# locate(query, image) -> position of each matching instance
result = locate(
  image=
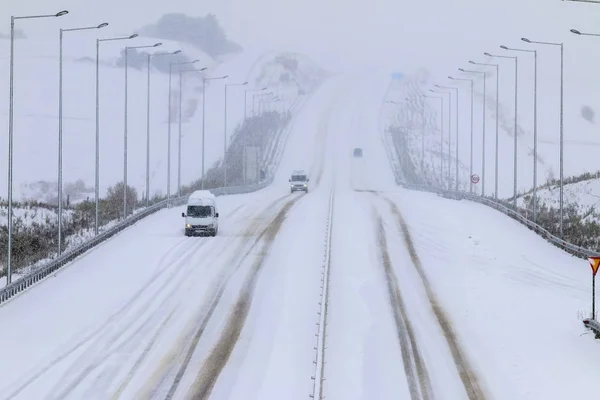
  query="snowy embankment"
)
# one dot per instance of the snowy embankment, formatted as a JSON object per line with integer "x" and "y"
{"x": 584, "y": 195}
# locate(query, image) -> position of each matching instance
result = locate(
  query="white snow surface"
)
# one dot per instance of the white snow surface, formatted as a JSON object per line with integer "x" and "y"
{"x": 141, "y": 296}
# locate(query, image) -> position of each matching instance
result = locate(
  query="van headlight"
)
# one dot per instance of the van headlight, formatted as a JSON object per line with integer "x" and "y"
{"x": 188, "y": 225}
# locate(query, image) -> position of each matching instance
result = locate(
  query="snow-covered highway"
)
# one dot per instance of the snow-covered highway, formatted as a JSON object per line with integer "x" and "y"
{"x": 428, "y": 297}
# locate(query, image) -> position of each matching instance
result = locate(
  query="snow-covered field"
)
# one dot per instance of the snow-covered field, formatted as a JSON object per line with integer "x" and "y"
{"x": 419, "y": 288}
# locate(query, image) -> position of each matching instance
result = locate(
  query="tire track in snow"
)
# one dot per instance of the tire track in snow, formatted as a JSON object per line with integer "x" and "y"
{"x": 221, "y": 351}
{"x": 465, "y": 371}
{"x": 105, "y": 326}
{"x": 100, "y": 333}
{"x": 419, "y": 383}
{"x": 180, "y": 355}
{"x": 217, "y": 360}
{"x": 107, "y": 346}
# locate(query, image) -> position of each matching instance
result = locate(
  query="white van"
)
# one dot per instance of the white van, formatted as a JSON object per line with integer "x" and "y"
{"x": 202, "y": 216}
{"x": 299, "y": 181}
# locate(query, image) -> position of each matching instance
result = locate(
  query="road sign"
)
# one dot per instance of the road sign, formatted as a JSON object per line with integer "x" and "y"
{"x": 594, "y": 263}
{"x": 474, "y": 178}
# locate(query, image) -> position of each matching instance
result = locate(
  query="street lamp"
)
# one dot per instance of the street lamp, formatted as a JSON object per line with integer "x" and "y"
{"x": 181, "y": 72}
{"x": 11, "y": 131}
{"x": 254, "y": 104}
{"x": 60, "y": 124}
{"x": 97, "y": 172}
{"x": 497, "y": 66}
{"x": 471, "y": 156}
{"x": 423, "y": 128}
{"x": 169, "y": 125}
{"x": 246, "y": 99}
{"x": 149, "y": 57}
{"x": 126, "y": 121}
{"x": 260, "y": 108}
{"x": 534, "y": 125}
{"x": 483, "y": 128}
{"x": 449, "y": 132}
{"x": 225, "y": 131}
{"x": 246, "y": 130}
{"x": 456, "y": 123}
{"x": 516, "y": 125}
{"x": 441, "y": 134}
{"x": 204, "y": 80}
{"x": 561, "y": 115}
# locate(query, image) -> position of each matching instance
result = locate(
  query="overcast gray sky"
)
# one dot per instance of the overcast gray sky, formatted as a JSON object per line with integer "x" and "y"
{"x": 387, "y": 33}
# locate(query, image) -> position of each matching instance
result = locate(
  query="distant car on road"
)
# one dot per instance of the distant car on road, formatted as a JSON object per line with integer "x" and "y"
{"x": 299, "y": 181}
{"x": 358, "y": 153}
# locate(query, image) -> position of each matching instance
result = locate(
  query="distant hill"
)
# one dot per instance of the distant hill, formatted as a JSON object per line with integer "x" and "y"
{"x": 203, "y": 32}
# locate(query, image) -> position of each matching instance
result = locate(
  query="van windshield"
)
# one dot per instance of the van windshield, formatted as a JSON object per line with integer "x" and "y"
{"x": 298, "y": 178}
{"x": 199, "y": 211}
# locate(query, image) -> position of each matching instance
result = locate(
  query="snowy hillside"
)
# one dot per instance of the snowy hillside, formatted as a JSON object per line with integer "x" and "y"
{"x": 583, "y": 194}
{"x": 580, "y": 134}
{"x": 36, "y": 122}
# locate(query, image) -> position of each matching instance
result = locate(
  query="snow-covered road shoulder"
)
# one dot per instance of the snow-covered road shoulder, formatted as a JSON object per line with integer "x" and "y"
{"x": 514, "y": 299}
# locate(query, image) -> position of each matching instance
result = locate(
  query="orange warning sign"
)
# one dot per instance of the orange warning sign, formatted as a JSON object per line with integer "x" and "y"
{"x": 595, "y": 263}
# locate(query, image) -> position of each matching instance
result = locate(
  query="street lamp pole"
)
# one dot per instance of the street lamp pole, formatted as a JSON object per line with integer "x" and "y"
{"x": 125, "y": 130}
{"x": 449, "y": 132}
{"x": 497, "y": 66}
{"x": 246, "y": 130}
{"x": 260, "y": 111}
{"x": 97, "y": 172}
{"x": 456, "y": 127}
{"x": 515, "y": 166}
{"x": 60, "y": 125}
{"x": 442, "y": 134}
{"x": 169, "y": 121}
{"x": 561, "y": 116}
{"x": 11, "y": 132}
{"x": 483, "y": 128}
{"x": 181, "y": 72}
{"x": 471, "y": 156}
{"x": 149, "y": 57}
{"x": 225, "y": 131}
{"x": 204, "y": 80}
{"x": 535, "y": 140}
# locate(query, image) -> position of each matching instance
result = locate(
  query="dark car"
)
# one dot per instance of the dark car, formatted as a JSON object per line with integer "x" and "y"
{"x": 358, "y": 152}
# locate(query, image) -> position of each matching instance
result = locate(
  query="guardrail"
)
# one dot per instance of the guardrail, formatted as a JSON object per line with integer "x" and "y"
{"x": 27, "y": 281}
{"x": 396, "y": 165}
